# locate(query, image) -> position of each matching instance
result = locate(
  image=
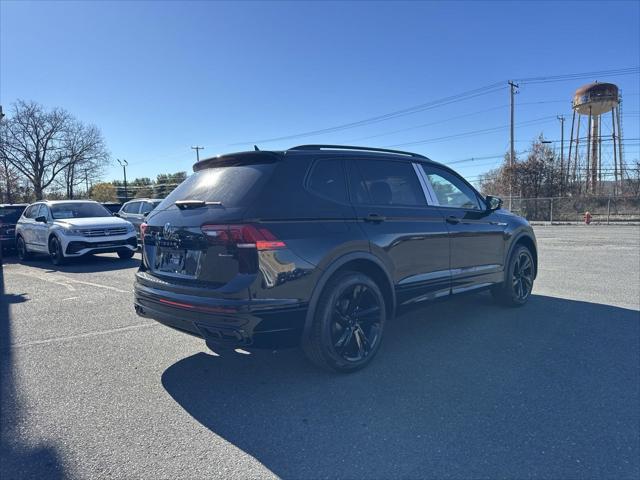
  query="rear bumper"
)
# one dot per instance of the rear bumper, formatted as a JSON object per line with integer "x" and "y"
{"x": 8, "y": 241}
{"x": 230, "y": 323}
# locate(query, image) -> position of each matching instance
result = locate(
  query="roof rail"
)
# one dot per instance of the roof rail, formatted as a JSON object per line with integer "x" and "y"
{"x": 351, "y": 147}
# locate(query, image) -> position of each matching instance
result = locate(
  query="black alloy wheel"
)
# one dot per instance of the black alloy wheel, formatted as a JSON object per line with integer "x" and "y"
{"x": 55, "y": 251}
{"x": 522, "y": 278}
{"x": 348, "y": 324}
{"x": 516, "y": 289}
{"x": 21, "y": 248}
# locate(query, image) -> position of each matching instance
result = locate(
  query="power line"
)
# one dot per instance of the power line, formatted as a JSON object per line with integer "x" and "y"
{"x": 582, "y": 139}
{"x": 473, "y": 159}
{"x": 577, "y": 76}
{"x": 472, "y": 132}
{"x": 492, "y": 88}
{"x": 415, "y": 127}
{"x": 495, "y": 87}
{"x": 427, "y": 124}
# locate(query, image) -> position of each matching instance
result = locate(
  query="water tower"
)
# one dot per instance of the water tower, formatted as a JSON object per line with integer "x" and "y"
{"x": 597, "y": 154}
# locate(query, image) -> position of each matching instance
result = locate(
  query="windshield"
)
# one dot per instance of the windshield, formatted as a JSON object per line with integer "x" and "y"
{"x": 78, "y": 210}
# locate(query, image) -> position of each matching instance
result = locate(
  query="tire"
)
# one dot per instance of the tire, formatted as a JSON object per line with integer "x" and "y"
{"x": 55, "y": 252}
{"x": 125, "y": 254}
{"x": 21, "y": 250}
{"x": 348, "y": 323}
{"x": 516, "y": 289}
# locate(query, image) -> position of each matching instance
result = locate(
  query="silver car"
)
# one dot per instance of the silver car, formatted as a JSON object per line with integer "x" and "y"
{"x": 72, "y": 228}
{"x": 135, "y": 211}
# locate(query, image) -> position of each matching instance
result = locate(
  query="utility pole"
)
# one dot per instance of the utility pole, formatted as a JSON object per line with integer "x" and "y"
{"x": 561, "y": 118}
{"x": 86, "y": 181}
{"x": 197, "y": 148}
{"x": 124, "y": 164}
{"x": 512, "y": 154}
{"x": 1, "y": 117}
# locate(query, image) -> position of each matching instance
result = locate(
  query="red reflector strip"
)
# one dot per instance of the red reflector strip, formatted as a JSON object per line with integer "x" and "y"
{"x": 196, "y": 307}
{"x": 176, "y": 304}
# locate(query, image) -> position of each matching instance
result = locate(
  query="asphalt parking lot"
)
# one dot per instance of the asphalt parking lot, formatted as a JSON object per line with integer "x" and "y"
{"x": 460, "y": 389}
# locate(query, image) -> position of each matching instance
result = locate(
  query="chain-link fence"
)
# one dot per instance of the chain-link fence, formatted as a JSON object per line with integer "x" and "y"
{"x": 572, "y": 209}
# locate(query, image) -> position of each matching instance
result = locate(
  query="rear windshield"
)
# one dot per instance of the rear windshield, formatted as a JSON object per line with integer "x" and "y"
{"x": 233, "y": 186}
{"x": 10, "y": 214}
{"x": 78, "y": 210}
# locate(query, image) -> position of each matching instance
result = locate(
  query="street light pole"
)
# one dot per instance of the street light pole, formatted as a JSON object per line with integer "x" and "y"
{"x": 197, "y": 148}
{"x": 124, "y": 164}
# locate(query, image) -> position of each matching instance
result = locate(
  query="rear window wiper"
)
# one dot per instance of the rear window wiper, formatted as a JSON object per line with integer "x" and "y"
{"x": 185, "y": 204}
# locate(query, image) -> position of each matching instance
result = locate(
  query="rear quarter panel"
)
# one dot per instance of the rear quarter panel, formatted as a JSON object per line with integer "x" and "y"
{"x": 316, "y": 231}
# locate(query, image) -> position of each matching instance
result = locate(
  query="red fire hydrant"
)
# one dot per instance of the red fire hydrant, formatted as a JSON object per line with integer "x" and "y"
{"x": 587, "y": 217}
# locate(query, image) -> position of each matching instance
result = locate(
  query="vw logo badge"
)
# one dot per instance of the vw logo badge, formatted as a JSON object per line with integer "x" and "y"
{"x": 168, "y": 230}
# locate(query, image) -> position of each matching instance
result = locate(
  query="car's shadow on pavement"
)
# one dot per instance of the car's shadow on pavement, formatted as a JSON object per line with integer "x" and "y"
{"x": 19, "y": 459}
{"x": 85, "y": 264}
{"x": 460, "y": 389}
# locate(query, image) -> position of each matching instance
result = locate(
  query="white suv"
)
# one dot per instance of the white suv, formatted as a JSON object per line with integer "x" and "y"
{"x": 72, "y": 228}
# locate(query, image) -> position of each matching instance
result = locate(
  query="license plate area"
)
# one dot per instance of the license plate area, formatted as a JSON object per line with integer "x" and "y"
{"x": 177, "y": 261}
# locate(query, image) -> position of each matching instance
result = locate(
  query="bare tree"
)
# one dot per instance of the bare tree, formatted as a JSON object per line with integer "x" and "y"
{"x": 632, "y": 182}
{"x": 41, "y": 145}
{"x": 32, "y": 143}
{"x": 536, "y": 176}
{"x": 86, "y": 155}
{"x": 9, "y": 181}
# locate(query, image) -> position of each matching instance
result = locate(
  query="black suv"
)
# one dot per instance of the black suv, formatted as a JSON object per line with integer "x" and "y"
{"x": 10, "y": 213}
{"x": 319, "y": 245}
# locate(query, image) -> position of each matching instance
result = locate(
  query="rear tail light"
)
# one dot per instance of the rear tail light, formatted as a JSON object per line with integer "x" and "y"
{"x": 143, "y": 229}
{"x": 242, "y": 236}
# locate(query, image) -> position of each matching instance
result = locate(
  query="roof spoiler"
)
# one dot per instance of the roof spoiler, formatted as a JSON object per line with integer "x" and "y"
{"x": 234, "y": 159}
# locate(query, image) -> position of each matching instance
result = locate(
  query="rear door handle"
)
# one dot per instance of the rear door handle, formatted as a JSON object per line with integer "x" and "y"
{"x": 452, "y": 219}
{"x": 374, "y": 218}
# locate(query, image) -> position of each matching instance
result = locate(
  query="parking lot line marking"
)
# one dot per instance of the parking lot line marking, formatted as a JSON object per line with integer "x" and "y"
{"x": 65, "y": 281}
{"x": 81, "y": 335}
{"x": 91, "y": 284}
{"x": 70, "y": 298}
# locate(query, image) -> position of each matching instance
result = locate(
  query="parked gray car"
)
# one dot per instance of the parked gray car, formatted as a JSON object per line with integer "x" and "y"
{"x": 135, "y": 211}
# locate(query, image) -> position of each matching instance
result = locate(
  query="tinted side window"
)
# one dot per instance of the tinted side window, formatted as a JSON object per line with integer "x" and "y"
{"x": 31, "y": 211}
{"x": 40, "y": 211}
{"x": 380, "y": 182}
{"x": 133, "y": 207}
{"x": 43, "y": 211}
{"x": 327, "y": 179}
{"x": 10, "y": 214}
{"x": 451, "y": 190}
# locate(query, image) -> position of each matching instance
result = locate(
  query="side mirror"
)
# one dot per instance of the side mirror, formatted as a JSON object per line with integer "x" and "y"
{"x": 493, "y": 203}
{"x": 116, "y": 214}
{"x": 41, "y": 219}
{"x": 144, "y": 214}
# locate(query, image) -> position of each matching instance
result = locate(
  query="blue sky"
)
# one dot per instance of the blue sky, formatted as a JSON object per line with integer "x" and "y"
{"x": 158, "y": 77}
